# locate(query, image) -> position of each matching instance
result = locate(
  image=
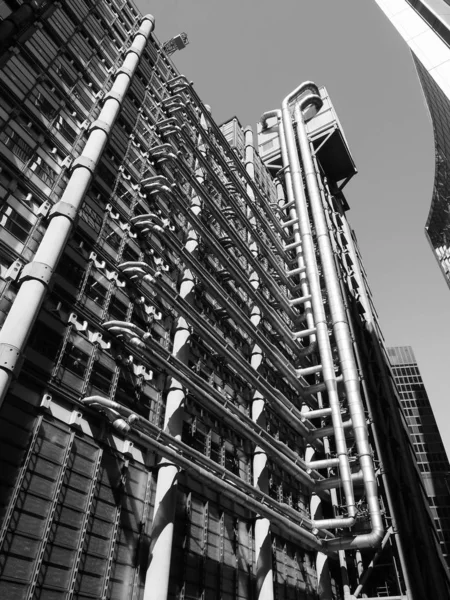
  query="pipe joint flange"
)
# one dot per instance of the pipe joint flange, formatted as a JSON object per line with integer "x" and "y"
{"x": 135, "y": 49}
{"x": 36, "y": 270}
{"x": 148, "y": 17}
{"x": 84, "y": 161}
{"x": 63, "y": 209}
{"x": 103, "y": 125}
{"x": 126, "y": 70}
{"x": 111, "y": 95}
{"x": 9, "y": 358}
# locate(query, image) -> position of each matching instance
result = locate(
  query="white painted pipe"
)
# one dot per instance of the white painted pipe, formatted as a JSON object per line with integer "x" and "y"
{"x": 36, "y": 276}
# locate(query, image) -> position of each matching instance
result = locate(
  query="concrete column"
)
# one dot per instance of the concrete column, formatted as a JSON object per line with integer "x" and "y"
{"x": 322, "y": 566}
{"x": 158, "y": 570}
{"x": 263, "y": 538}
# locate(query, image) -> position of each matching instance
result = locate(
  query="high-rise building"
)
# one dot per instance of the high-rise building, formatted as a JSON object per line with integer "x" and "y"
{"x": 425, "y": 26}
{"x": 425, "y": 437}
{"x": 195, "y": 397}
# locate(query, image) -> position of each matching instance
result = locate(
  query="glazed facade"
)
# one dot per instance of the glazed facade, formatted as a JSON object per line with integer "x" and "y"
{"x": 425, "y": 26}
{"x": 425, "y": 437}
{"x": 158, "y": 428}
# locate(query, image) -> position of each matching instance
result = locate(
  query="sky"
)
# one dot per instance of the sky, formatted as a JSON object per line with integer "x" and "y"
{"x": 245, "y": 56}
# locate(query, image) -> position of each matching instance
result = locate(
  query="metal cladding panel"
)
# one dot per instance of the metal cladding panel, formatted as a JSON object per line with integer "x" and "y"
{"x": 268, "y": 140}
{"x": 234, "y": 134}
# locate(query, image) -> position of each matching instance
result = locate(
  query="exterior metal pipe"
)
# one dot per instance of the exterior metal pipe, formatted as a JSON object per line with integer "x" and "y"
{"x": 340, "y": 329}
{"x": 216, "y": 403}
{"x": 326, "y": 463}
{"x": 36, "y": 275}
{"x": 370, "y": 567}
{"x": 329, "y": 430}
{"x": 326, "y": 357}
{"x": 286, "y": 524}
{"x": 316, "y": 414}
{"x": 293, "y": 214}
{"x": 334, "y": 482}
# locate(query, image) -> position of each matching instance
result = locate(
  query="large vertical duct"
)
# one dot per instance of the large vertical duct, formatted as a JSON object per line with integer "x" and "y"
{"x": 263, "y": 540}
{"x": 310, "y": 98}
{"x": 158, "y": 571}
{"x": 326, "y": 356}
{"x": 36, "y": 275}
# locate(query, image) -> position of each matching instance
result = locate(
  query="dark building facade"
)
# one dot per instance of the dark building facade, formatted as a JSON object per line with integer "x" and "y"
{"x": 195, "y": 396}
{"x": 425, "y": 26}
{"x": 425, "y": 437}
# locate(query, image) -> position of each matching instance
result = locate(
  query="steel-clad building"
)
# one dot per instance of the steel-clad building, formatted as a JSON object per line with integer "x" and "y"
{"x": 196, "y": 401}
{"x": 425, "y": 437}
{"x": 425, "y": 27}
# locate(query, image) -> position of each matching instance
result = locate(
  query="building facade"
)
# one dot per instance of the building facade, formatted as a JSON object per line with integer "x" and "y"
{"x": 425, "y": 437}
{"x": 425, "y": 27}
{"x": 195, "y": 397}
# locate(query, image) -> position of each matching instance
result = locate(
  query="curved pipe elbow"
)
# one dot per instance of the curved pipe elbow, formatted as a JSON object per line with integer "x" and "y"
{"x": 298, "y": 90}
{"x": 268, "y": 115}
{"x": 356, "y": 542}
{"x": 308, "y": 349}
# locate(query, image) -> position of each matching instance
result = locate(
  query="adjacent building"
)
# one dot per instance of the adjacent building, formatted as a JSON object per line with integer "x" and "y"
{"x": 425, "y": 26}
{"x": 425, "y": 437}
{"x": 195, "y": 398}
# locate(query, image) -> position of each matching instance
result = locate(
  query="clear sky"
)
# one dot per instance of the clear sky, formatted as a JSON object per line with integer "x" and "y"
{"x": 244, "y": 56}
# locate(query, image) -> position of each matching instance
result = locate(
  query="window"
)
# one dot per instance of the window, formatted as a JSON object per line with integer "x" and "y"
{"x": 65, "y": 129}
{"x": 16, "y": 144}
{"x": 76, "y": 360}
{"x": 92, "y": 217}
{"x": 130, "y": 254}
{"x": 44, "y": 171}
{"x": 112, "y": 237}
{"x": 45, "y": 340}
{"x": 45, "y": 106}
{"x": 117, "y": 310}
{"x": 70, "y": 270}
{"x": 15, "y": 223}
{"x": 95, "y": 290}
{"x": 101, "y": 378}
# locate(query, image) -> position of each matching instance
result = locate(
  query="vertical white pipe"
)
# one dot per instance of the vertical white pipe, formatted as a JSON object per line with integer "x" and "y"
{"x": 158, "y": 571}
{"x": 263, "y": 539}
{"x": 36, "y": 275}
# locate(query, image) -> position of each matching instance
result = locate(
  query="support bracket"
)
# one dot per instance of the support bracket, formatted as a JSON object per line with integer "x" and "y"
{"x": 9, "y": 358}
{"x": 83, "y": 161}
{"x": 103, "y": 125}
{"x": 36, "y": 270}
{"x": 63, "y": 209}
